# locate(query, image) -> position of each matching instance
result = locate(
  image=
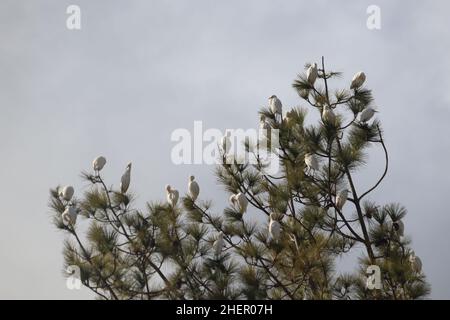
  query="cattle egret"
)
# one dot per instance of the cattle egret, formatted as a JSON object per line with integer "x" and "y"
{"x": 98, "y": 163}
{"x": 193, "y": 188}
{"x": 311, "y": 162}
{"x": 125, "y": 180}
{"x": 226, "y": 142}
{"x": 358, "y": 80}
{"x": 67, "y": 193}
{"x": 275, "y": 106}
{"x": 172, "y": 196}
{"x": 274, "y": 227}
{"x": 399, "y": 227}
{"x": 240, "y": 202}
{"x": 218, "y": 244}
{"x": 415, "y": 262}
{"x": 341, "y": 198}
{"x": 367, "y": 114}
{"x": 69, "y": 216}
{"x": 311, "y": 74}
{"x": 328, "y": 115}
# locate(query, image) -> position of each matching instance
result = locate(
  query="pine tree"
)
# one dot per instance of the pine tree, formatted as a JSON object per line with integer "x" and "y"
{"x": 312, "y": 213}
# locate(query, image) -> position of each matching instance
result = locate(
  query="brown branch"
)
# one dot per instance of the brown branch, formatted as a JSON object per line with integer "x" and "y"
{"x": 385, "y": 167}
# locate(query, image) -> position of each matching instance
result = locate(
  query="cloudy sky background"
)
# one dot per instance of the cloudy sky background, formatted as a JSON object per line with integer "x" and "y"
{"x": 140, "y": 69}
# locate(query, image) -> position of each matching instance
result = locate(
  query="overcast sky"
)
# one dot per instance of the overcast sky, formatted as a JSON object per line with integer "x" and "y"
{"x": 137, "y": 70}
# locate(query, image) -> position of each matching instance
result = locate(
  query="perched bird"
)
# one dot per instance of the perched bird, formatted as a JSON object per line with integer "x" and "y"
{"x": 218, "y": 244}
{"x": 172, "y": 195}
{"x": 193, "y": 188}
{"x": 240, "y": 202}
{"x": 328, "y": 115}
{"x": 69, "y": 216}
{"x": 226, "y": 143}
{"x": 125, "y": 180}
{"x": 275, "y": 106}
{"x": 67, "y": 193}
{"x": 274, "y": 227}
{"x": 367, "y": 114}
{"x": 358, "y": 80}
{"x": 341, "y": 198}
{"x": 311, "y": 74}
{"x": 98, "y": 163}
{"x": 311, "y": 162}
{"x": 415, "y": 262}
{"x": 399, "y": 227}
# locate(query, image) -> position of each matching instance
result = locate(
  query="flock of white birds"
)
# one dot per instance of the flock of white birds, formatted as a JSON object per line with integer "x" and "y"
{"x": 311, "y": 161}
{"x": 239, "y": 201}
{"x": 328, "y": 115}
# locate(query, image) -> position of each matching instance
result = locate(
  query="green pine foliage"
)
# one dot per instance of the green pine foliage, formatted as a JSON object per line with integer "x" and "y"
{"x": 166, "y": 252}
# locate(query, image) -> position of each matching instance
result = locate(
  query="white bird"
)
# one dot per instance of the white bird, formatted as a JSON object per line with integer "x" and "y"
{"x": 367, "y": 114}
{"x": 311, "y": 162}
{"x": 341, "y": 198}
{"x": 415, "y": 262}
{"x": 98, "y": 163}
{"x": 311, "y": 74}
{"x": 218, "y": 244}
{"x": 125, "y": 180}
{"x": 358, "y": 80}
{"x": 399, "y": 227}
{"x": 226, "y": 142}
{"x": 275, "y": 106}
{"x": 172, "y": 195}
{"x": 240, "y": 202}
{"x": 193, "y": 188}
{"x": 274, "y": 227}
{"x": 328, "y": 115}
{"x": 69, "y": 216}
{"x": 67, "y": 193}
